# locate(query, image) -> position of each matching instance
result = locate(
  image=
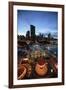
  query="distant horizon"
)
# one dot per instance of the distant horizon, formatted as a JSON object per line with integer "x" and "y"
{"x": 44, "y": 22}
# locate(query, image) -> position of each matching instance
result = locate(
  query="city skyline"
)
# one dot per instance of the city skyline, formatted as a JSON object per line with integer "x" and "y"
{"x": 44, "y": 21}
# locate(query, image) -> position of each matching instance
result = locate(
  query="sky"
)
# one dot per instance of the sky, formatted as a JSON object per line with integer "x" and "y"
{"x": 44, "y": 21}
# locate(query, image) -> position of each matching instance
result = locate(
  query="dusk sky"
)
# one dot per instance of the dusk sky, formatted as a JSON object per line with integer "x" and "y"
{"x": 44, "y": 21}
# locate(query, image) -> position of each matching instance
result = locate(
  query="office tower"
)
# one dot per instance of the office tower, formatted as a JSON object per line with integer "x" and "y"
{"x": 32, "y": 30}
{"x": 28, "y": 34}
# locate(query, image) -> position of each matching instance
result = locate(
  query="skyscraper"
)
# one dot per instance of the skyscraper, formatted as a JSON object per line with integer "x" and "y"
{"x": 28, "y": 34}
{"x": 32, "y": 30}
